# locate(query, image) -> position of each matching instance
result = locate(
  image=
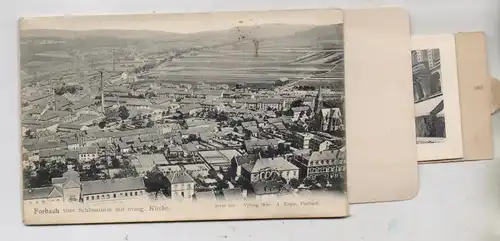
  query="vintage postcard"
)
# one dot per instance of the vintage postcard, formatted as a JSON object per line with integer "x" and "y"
{"x": 176, "y": 117}
{"x": 437, "y": 103}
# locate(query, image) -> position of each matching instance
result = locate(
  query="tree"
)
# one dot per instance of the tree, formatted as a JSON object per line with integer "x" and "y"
{"x": 45, "y": 173}
{"x": 294, "y": 183}
{"x": 155, "y": 181}
{"x": 282, "y": 149}
{"x": 288, "y": 112}
{"x": 193, "y": 137}
{"x": 268, "y": 153}
{"x": 115, "y": 163}
{"x": 27, "y": 172}
{"x": 222, "y": 185}
{"x": 321, "y": 179}
{"x": 150, "y": 124}
{"x": 309, "y": 113}
{"x": 126, "y": 172}
{"x": 308, "y": 182}
{"x": 28, "y": 133}
{"x": 301, "y": 114}
{"x": 126, "y": 163}
{"x": 123, "y": 112}
{"x": 93, "y": 172}
{"x": 222, "y": 117}
{"x": 297, "y": 103}
{"x": 110, "y": 115}
{"x": 248, "y": 134}
{"x": 102, "y": 124}
{"x": 104, "y": 162}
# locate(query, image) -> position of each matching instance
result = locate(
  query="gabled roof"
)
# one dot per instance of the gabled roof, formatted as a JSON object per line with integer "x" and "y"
{"x": 112, "y": 185}
{"x": 240, "y": 160}
{"x": 180, "y": 177}
{"x": 276, "y": 163}
{"x": 41, "y": 192}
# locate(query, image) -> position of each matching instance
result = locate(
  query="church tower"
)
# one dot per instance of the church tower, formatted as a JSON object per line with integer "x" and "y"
{"x": 318, "y": 102}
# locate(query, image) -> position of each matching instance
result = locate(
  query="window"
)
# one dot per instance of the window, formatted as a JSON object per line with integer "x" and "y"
{"x": 87, "y": 198}
{"x": 107, "y": 196}
{"x": 136, "y": 193}
{"x": 97, "y": 197}
{"x": 126, "y": 194}
{"x": 93, "y": 197}
{"x": 131, "y": 194}
{"x": 114, "y": 195}
{"x": 140, "y": 192}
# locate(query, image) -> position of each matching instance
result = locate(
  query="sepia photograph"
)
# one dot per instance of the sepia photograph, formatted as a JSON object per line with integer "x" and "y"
{"x": 438, "y": 120}
{"x": 185, "y": 110}
{"x": 429, "y": 101}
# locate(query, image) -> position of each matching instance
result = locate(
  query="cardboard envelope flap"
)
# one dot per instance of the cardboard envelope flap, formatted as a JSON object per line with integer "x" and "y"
{"x": 495, "y": 95}
{"x": 475, "y": 96}
{"x": 382, "y": 159}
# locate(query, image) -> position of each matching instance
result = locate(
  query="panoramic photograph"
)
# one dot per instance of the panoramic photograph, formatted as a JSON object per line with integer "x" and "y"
{"x": 428, "y": 96}
{"x": 247, "y": 112}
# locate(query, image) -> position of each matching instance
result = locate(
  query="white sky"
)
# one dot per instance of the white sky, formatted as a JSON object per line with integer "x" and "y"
{"x": 184, "y": 23}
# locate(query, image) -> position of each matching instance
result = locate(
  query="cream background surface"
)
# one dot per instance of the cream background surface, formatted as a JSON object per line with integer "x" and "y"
{"x": 456, "y": 201}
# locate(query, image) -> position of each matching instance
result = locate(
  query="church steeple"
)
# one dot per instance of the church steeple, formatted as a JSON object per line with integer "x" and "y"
{"x": 318, "y": 101}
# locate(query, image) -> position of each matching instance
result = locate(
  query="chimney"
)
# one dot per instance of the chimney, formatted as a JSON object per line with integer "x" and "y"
{"x": 102, "y": 92}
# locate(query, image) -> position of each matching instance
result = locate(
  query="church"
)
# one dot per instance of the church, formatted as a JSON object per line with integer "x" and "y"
{"x": 326, "y": 119}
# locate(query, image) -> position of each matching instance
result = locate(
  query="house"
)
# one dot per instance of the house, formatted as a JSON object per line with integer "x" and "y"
{"x": 301, "y": 140}
{"x": 197, "y": 169}
{"x": 181, "y": 186}
{"x": 70, "y": 184}
{"x": 66, "y": 127}
{"x": 319, "y": 144}
{"x": 169, "y": 169}
{"x": 260, "y": 144}
{"x": 113, "y": 189}
{"x": 238, "y": 161}
{"x": 63, "y": 189}
{"x": 190, "y": 109}
{"x": 124, "y": 147}
{"x": 138, "y": 103}
{"x": 208, "y": 94}
{"x": 270, "y": 169}
{"x": 87, "y": 154}
{"x": 330, "y": 163}
{"x": 218, "y": 159}
{"x": 300, "y": 111}
{"x": 73, "y": 144}
{"x": 81, "y": 105}
{"x": 172, "y": 93}
{"x": 53, "y": 155}
{"x": 42, "y": 195}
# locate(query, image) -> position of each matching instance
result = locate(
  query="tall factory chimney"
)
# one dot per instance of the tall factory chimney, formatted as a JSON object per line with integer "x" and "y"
{"x": 102, "y": 92}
